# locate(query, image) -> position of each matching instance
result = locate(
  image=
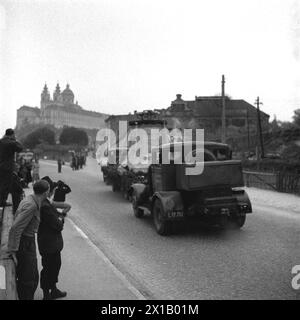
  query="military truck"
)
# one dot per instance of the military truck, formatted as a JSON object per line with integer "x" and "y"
{"x": 124, "y": 174}
{"x": 114, "y": 160}
{"x": 171, "y": 196}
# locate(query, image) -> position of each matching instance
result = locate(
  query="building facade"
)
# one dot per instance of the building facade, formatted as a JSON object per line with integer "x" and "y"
{"x": 60, "y": 111}
{"x": 206, "y": 113}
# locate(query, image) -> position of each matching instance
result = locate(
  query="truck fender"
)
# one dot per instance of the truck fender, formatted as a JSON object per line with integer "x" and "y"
{"x": 171, "y": 200}
{"x": 137, "y": 188}
{"x": 243, "y": 198}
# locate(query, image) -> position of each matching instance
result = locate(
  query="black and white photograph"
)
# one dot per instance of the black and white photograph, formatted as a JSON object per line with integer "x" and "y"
{"x": 149, "y": 151}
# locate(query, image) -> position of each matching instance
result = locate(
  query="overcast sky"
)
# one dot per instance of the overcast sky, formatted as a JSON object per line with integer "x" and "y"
{"x": 124, "y": 55}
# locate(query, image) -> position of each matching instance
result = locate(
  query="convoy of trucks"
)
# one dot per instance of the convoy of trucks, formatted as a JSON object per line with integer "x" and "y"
{"x": 168, "y": 194}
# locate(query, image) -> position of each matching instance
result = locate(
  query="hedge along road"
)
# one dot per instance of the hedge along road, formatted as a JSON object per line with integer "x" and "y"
{"x": 195, "y": 263}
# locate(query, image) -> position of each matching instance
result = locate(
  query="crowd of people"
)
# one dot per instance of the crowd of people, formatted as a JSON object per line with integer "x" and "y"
{"x": 38, "y": 214}
{"x": 34, "y": 214}
{"x": 78, "y": 160}
{"x": 27, "y": 170}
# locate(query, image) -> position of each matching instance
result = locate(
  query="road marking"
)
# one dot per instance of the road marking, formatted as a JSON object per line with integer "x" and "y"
{"x": 101, "y": 254}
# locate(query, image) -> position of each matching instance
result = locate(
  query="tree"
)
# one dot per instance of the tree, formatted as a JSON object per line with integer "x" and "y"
{"x": 296, "y": 117}
{"x": 71, "y": 135}
{"x": 39, "y": 136}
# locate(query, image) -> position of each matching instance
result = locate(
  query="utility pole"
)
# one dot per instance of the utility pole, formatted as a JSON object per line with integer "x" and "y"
{"x": 259, "y": 129}
{"x": 223, "y": 138}
{"x": 248, "y": 133}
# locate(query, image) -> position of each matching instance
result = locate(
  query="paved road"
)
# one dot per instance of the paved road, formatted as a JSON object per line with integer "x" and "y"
{"x": 195, "y": 263}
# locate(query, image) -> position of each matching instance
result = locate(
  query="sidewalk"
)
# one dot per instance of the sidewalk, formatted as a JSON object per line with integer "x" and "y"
{"x": 274, "y": 199}
{"x": 86, "y": 273}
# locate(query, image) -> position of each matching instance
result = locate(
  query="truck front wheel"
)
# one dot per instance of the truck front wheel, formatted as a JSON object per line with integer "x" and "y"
{"x": 238, "y": 221}
{"x": 162, "y": 226}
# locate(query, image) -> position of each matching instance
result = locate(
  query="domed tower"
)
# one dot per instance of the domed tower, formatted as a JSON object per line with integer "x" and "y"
{"x": 57, "y": 94}
{"x": 67, "y": 96}
{"x": 45, "y": 97}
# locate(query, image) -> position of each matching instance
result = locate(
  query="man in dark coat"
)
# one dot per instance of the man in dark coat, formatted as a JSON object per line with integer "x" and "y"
{"x": 59, "y": 165}
{"x": 21, "y": 240}
{"x": 50, "y": 244}
{"x": 8, "y": 146}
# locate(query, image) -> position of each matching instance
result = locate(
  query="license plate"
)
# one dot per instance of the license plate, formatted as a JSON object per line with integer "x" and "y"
{"x": 225, "y": 211}
{"x": 175, "y": 214}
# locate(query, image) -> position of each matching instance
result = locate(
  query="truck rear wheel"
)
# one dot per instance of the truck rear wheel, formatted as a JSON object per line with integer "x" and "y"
{"x": 238, "y": 221}
{"x": 162, "y": 226}
{"x": 138, "y": 213}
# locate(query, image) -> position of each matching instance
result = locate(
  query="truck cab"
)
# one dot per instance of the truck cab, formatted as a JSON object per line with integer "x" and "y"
{"x": 214, "y": 196}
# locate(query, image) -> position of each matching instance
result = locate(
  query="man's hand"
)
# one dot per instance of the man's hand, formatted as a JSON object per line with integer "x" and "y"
{"x": 65, "y": 211}
{"x": 9, "y": 255}
{"x": 14, "y": 257}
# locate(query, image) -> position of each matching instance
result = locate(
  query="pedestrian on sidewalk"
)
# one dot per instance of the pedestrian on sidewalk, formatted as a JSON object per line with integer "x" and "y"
{"x": 35, "y": 170}
{"x": 59, "y": 165}
{"x": 21, "y": 241}
{"x": 59, "y": 199}
{"x": 8, "y": 147}
{"x": 50, "y": 244}
{"x": 73, "y": 162}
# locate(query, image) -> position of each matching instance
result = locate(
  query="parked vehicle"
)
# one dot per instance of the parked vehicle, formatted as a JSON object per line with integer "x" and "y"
{"x": 215, "y": 196}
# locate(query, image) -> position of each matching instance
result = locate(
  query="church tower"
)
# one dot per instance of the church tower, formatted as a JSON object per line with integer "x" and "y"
{"x": 45, "y": 98}
{"x": 57, "y": 94}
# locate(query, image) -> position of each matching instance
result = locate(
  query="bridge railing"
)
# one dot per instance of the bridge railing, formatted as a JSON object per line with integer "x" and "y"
{"x": 8, "y": 289}
{"x": 278, "y": 181}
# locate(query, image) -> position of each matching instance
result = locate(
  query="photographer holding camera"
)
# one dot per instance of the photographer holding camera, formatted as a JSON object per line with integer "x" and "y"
{"x": 60, "y": 197}
{"x": 8, "y": 146}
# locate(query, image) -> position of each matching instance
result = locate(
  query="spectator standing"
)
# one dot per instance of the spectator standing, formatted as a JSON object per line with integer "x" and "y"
{"x": 73, "y": 162}
{"x": 8, "y": 147}
{"x": 59, "y": 165}
{"x": 80, "y": 161}
{"x": 76, "y": 161}
{"x": 59, "y": 199}
{"x": 28, "y": 165}
{"x": 23, "y": 172}
{"x": 21, "y": 241}
{"x": 50, "y": 244}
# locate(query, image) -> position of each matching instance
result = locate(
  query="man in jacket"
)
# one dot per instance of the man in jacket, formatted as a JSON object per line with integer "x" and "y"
{"x": 8, "y": 146}
{"x": 50, "y": 244}
{"x": 21, "y": 240}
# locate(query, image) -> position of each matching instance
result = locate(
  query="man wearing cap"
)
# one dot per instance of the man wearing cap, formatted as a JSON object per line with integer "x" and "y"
{"x": 8, "y": 146}
{"x": 21, "y": 240}
{"x": 50, "y": 244}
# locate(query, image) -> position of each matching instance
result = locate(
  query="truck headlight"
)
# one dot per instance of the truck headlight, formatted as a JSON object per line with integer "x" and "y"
{"x": 243, "y": 207}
